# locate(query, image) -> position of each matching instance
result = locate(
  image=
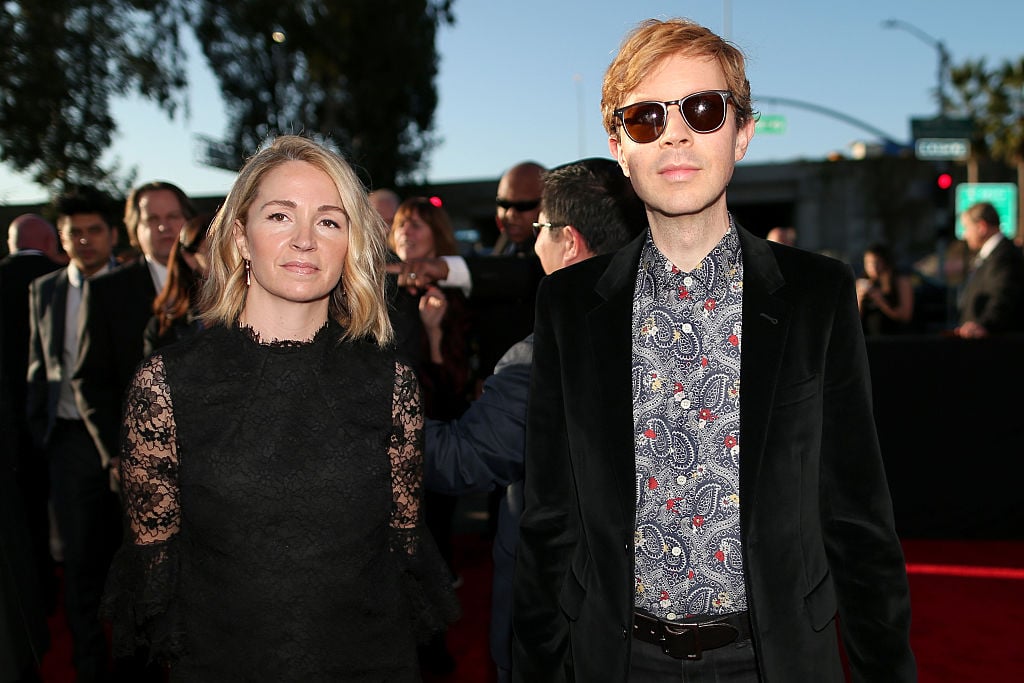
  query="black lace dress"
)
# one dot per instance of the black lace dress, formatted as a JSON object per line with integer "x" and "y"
{"x": 272, "y": 493}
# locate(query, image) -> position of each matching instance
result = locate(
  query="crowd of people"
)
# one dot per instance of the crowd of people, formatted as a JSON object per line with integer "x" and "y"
{"x": 250, "y": 437}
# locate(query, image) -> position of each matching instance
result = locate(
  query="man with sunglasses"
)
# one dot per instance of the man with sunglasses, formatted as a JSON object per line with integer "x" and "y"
{"x": 705, "y": 496}
{"x": 518, "y": 204}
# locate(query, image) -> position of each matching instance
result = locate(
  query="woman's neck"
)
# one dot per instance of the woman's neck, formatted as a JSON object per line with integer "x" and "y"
{"x": 285, "y": 321}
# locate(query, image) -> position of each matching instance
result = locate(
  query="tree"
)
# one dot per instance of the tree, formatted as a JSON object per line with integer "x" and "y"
{"x": 61, "y": 64}
{"x": 994, "y": 99}
{"x": 358, "y": 74}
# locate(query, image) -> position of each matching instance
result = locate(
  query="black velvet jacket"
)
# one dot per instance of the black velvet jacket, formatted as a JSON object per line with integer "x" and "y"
{"x": 816, "y": 516}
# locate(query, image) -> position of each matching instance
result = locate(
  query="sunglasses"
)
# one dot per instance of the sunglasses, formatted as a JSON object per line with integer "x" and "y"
{"x": 520, "y": 206}
{"x": 704, "y": 112}
{"x": 537, "y": 227}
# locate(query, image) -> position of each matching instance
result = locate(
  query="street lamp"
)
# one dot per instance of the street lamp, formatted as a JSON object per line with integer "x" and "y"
{"x": 939, "y": 46}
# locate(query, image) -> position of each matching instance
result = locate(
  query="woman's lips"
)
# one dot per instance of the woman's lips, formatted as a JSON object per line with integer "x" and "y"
{"x": 301, "y": 267}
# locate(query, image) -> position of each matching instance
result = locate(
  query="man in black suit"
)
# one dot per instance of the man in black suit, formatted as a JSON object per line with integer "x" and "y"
{"x": 34, "y": 252}
{"x": 993, "y": 298}
{"x": 116, "y": 308}
{"x": 33, "y": 245}
{"x": 705, "y": 497}
{"x": 85, "y": 508}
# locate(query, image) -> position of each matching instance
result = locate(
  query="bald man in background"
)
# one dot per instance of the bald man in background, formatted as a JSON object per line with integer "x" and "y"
{"x": 32, "y": 241}
{"x": 518, "y": 205}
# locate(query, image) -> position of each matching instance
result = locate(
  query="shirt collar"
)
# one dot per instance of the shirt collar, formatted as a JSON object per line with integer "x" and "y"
{"x": 75, "y": 277}
{"x": 724, "y": 259}
{"x": 990, "y": 244}
{"x": 158, "y": 272}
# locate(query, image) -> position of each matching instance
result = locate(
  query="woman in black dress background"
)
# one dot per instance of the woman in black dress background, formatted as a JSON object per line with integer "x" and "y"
{"x": 885, "y": 295}
{"x": 271, "y": 464}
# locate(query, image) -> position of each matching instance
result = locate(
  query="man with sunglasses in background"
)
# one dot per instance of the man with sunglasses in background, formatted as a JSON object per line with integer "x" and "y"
{"x": 518, "y": 205}
{"x": 705, "y": 497}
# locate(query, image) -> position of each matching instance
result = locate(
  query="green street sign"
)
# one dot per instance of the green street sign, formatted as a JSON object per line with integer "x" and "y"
{"x": 1003, "y": 196}
{"x": 773, "y": 124}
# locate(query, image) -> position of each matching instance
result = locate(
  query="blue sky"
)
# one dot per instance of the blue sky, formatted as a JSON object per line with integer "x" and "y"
{"x": 521, "y": 80}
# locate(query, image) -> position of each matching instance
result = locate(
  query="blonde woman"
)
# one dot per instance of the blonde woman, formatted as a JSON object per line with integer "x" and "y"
{"x": 271, "y": 465}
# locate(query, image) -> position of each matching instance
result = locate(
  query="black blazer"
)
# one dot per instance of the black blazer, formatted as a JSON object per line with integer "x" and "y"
{"x": 19, "y": 270}
{"x": 115, "y": 309}
{"x": 994, "y": 294}
{"x": 48, "y": 298}
{"x": 816, "y": 517}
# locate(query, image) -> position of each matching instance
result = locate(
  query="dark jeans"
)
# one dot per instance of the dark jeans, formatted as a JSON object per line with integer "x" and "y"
{"x": 735, "y": 663}
{"x": 89, "y": 526}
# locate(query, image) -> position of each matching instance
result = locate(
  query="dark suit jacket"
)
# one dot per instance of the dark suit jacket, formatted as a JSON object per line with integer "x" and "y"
{"x": 816, "y": 517}
{"x": 504, "y": 289}
{"x": 48, "y": 297}
{"x": 994, "y": 294}
{"x": 115, "y": 309}
{"x": 19, "y": 270}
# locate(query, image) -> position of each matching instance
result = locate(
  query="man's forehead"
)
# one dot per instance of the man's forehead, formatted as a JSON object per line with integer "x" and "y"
{"x": 82, "y": 220}
{"x": 159, "y": 199}
{"x": 705, "y": 73}
{"x": 520, "y": 186}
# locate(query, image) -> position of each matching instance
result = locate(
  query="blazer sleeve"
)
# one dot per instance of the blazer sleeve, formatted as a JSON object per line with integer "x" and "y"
{"x": 549, "y": 527}
{"x": 865, "y": 556}
{"x": 504, "y": 277}
{"x": 95, "y": 377}
{"x": 484, "y": 448}
{"x": 38, "y": 391}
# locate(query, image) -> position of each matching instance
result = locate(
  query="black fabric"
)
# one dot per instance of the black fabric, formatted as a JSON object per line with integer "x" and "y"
{"x": 273, "y": 496}
{"x": 993, "y": 295}
{"x": 115, "y": 309}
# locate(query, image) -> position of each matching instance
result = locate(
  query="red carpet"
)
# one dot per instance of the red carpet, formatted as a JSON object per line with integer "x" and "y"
{"x": 968, "y": 601}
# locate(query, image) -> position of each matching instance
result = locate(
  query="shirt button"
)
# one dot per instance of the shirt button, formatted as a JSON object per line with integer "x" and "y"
{"x": 687, "y": 280}
{"x": 625, "y": 633}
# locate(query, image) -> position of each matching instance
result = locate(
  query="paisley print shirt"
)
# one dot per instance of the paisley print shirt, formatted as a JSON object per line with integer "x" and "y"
{"x": 687, "y": 332}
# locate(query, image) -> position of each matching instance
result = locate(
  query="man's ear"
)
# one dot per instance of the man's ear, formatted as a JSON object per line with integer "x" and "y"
{"x": 743, "y": 137}
{"x": 240, "y": 241}
{"x": 615, "y": 147}
{"x": 574, "y": 247}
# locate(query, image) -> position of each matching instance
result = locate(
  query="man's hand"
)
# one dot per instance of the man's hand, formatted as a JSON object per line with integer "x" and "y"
{"x": 971, "y": 330}
{"x": 419, "y": 273}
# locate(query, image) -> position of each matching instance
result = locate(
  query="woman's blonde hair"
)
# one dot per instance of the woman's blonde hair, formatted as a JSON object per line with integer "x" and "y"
{"x": 358, "y": 303}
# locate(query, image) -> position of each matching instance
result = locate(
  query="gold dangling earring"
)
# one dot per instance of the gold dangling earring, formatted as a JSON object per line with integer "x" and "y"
{"x": 248, "y": 267}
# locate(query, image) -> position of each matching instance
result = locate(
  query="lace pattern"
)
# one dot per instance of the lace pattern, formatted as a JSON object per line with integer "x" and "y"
{"x": 272, "y": 497}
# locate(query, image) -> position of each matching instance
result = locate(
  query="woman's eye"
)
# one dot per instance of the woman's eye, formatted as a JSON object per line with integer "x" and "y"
{"x": 277, "y": 217}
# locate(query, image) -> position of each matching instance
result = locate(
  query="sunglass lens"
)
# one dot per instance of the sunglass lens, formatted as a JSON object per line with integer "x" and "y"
{"x": 704, "y": 112}
{"x": 644, "y": 122}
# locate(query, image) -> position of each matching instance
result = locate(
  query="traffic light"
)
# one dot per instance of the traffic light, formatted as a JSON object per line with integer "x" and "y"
{"x": 942, "y": 190}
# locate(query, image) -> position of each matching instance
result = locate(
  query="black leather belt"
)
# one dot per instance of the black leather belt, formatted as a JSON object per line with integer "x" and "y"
{"x": 688, "y": 638}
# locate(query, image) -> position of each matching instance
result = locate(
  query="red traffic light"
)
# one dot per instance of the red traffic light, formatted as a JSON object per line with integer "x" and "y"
{"x": 944, "y": 181}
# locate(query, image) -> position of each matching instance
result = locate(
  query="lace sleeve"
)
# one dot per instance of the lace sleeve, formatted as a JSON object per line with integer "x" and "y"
{"x": 426, "y": 585}
{"x": 140, "y": 597}
{"x": 406, "y": 455}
